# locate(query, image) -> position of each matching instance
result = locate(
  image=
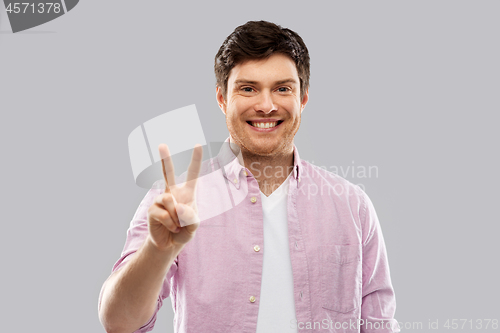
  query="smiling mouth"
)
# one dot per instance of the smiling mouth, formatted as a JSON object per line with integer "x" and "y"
{"x": 265, "y": 125}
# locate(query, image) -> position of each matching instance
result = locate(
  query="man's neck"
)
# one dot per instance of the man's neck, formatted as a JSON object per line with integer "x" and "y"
{"x": 269, "y": 171}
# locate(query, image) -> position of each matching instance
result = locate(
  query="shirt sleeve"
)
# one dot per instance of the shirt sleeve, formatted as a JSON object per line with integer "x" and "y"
{"x": 378, "y": 299}
{"x": 136, "y": 235}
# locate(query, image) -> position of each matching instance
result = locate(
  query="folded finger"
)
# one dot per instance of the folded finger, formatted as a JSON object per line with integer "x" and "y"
{"x": 168, "y": 202}
{"x": 161, "y": 215}
{"x": 187, "y": 216}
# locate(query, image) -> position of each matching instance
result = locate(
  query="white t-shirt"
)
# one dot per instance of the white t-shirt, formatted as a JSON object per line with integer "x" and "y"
{"x": 277, "y": 305}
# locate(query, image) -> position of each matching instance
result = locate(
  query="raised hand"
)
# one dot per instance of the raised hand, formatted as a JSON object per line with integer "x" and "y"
{"x": 173, "y": 217}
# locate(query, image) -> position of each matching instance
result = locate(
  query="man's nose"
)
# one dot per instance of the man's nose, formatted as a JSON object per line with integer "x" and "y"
{"x": 265, "y": 102}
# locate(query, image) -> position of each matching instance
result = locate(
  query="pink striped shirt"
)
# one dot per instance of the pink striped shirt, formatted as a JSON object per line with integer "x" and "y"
{"x": 341, "y": 277}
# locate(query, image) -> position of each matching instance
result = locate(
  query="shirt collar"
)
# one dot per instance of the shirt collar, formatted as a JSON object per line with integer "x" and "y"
{"x": 232, "y": 168}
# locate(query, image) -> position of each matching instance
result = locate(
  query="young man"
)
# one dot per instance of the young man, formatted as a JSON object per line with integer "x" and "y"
{"x": 299, "y": 249}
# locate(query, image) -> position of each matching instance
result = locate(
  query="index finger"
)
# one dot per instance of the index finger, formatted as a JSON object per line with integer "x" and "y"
{"x": 194, "y": 167}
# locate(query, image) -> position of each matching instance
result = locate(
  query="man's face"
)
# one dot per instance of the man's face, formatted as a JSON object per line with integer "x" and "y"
{"x": 263, "y": 105}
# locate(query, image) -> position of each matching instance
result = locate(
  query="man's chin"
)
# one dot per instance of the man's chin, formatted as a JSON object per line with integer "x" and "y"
{"x": 261, "y": 147}
{"x": 265, "y": 149}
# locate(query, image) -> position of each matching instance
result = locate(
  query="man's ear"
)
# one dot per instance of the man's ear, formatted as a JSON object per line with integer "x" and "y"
{"x": 220, "y": 99}
{"x": 305, "y": 99}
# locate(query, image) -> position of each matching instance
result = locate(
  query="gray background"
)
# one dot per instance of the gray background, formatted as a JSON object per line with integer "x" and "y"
{"x": 410, "y": 87}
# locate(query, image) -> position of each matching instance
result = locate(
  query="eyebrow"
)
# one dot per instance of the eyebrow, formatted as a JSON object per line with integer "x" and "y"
{"x": 245, "y": 81}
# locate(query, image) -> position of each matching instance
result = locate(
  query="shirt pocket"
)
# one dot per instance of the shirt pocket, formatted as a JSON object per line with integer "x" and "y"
{"x": 341, "y": 277}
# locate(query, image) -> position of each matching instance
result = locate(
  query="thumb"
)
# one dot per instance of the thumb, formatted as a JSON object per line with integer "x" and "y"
{"x": 187, "y": 216}
{"x": 176, "y": 217}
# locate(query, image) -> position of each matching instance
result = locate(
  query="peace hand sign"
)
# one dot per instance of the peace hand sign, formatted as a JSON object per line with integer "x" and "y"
{"x": 177, "y": 204}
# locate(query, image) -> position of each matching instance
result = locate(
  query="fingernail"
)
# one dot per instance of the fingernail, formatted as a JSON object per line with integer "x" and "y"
{"x": 179, "y": 209}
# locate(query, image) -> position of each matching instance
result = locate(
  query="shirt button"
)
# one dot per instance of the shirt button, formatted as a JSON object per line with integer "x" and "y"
{"x": 235, "y": 180}
{"x": 299, "y": 179}
{"x": 253, "y": 199}
{"x": 256, "y": 248}
{"x": 252, "y": 299}
{"x": 245, "y": 173}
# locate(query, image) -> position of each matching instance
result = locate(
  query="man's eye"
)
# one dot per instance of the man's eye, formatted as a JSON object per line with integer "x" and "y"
{"x": 247, "y": 89}
{"x": 284, "y": 89}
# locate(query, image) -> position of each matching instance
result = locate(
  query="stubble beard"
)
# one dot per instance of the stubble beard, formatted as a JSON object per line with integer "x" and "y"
{"x": 285, "y": 145}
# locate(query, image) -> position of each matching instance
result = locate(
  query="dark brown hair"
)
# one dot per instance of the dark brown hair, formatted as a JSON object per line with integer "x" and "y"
{"x": 259, "y": 40}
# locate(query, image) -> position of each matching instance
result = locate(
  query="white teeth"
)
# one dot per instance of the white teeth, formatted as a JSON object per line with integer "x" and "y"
{"x": 264, "y": 125}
